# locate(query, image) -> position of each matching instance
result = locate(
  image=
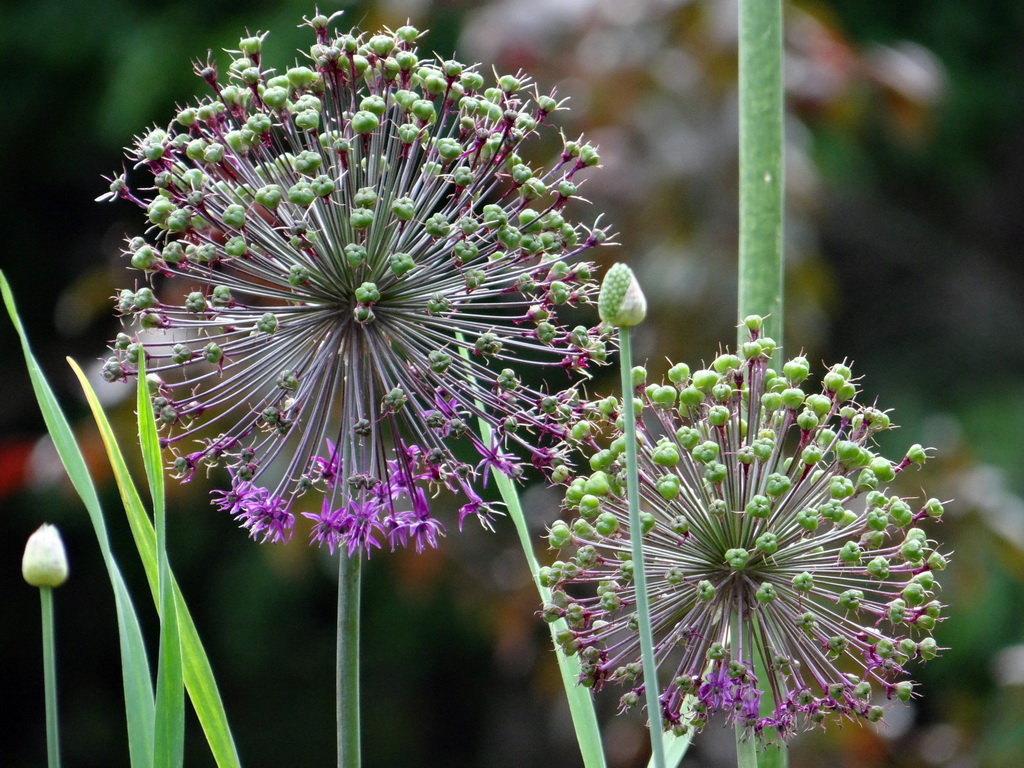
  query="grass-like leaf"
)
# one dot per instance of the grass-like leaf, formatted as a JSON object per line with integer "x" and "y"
{"x": 581, "y": 706}
{"x": 169, "y": 743}
{"x": 196, "y": 670}
{"x": 138, "y": 687}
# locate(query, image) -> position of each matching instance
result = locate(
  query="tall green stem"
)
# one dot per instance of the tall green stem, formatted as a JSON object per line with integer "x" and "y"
{"x": 746, "y": 749}
{"x": 643, "y": 607}
{"x": 761, "y": 163}
{"x": 762, "y": 186}
{"x": 50, "y": 678}
{"x": 349, "y": 577}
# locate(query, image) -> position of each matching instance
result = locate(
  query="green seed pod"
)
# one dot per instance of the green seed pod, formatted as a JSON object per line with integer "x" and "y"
{"x": 679, "y": 373}
{"x": 559, "y": 534}
{"x": 766, "y": 592}
{"x": 668, "y": 486}
{"x": 365, "y": 122}
{"x": 803, "y": 582}
{"x": 878, "y": 567}
{"x": 665, "y": 453}
{"x": 737, "y": 557}
{"x": 928, "y": 648}
{"x": 809, "y": 519}
{"x": 759, "y": 506}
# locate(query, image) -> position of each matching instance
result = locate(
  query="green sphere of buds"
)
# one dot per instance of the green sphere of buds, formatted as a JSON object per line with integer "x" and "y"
{"x": 621, "y": 302}
{"x": 766, "y": 513}
{"x": 365, "y": 251}
{"x": 45, "y": 563}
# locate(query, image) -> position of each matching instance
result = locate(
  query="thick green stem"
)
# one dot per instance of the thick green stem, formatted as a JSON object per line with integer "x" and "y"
{"x": 349, "y": 576}
{"x": 50, "y": 678}
{"x": 746, "y": 748}
{"x": 761, "y": 163}
{"x": 762, "y": 186}
{"x": 643, "y": 607}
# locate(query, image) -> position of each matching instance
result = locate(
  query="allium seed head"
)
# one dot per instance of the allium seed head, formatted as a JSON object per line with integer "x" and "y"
{"x": 362, "y": 253}
{"x": 787, "y": 584}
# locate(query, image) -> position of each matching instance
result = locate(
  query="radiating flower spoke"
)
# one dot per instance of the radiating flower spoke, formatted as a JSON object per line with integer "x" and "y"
{"x": 366, "y": 251}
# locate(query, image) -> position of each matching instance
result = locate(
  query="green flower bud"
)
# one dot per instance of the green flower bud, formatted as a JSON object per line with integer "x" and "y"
{"x": 621, "y": 302}
{"x": 44, "y": 562}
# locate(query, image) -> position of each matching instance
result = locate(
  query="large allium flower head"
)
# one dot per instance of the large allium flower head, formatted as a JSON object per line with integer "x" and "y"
{"x": 780, "y": 567}
{"x": 366, "y": 255}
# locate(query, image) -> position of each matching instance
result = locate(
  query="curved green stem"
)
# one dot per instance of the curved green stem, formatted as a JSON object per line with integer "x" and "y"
{"x": 349, "y": 577}
{"x": 643, "y": 608}
{"x": 50, "y": 678}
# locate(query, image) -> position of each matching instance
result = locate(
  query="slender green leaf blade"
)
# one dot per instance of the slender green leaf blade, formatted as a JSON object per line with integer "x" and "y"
{"x": 581, "y": 706}
{"x": 773, "y": 755}
{"x": 169, "y": 739}
{"x": 196, "y": 670}
{"x": 138, "y": 689}
{"x": 675, "y": 748}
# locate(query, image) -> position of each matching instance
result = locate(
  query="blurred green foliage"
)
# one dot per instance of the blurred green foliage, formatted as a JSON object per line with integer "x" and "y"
{"x": 904, "y": 238}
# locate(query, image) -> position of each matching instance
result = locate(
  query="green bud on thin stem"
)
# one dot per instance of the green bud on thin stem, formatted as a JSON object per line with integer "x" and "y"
{"x": 621, "y": 303}
{"x": 45, "y": 565}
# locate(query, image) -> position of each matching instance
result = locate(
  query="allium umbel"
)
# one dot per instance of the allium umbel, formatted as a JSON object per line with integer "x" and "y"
{"x": 786, "y": 583}
{"x": 363, "y": 254}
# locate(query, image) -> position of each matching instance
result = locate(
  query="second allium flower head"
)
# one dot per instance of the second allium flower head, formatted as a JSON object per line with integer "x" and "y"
{"x": 367, "y": 251}
{"x": 786, "y": 584}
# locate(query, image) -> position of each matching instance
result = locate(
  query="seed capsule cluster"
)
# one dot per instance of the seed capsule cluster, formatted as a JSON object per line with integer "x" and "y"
{"x": 364, "y": 258}
{"x": 787, "y": 584}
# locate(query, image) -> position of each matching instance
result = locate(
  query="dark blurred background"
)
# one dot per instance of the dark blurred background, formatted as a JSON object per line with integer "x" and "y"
{"x": 904, "y": 243}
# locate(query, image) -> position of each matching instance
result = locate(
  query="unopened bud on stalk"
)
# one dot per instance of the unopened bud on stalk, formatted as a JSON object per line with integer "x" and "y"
{"x": 45, "y": 563}
{"x": 621, "y": 302}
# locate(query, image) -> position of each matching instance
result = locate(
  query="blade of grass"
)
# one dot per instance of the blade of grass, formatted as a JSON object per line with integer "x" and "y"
{"x": 169, "y": 739}
{"x": 138, "y": 687}
{"x": 196, "y": 670}
{"x": 675, "y": 748}
{"x": 581, "y": 706}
